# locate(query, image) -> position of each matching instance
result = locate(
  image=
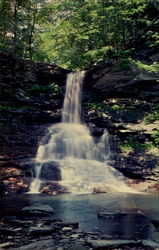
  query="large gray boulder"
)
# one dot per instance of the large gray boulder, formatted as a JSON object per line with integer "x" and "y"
{"x": 50, "y": 171}
{"x": 38, "y": 209}
{"x": 39, "y": 245}
{"x": 40, "y": 230}
{"x": 106, "y": 244}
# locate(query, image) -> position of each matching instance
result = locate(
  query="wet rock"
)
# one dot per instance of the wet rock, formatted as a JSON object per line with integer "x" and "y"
{"x": 68, "y": 224}
{"x": 105, "y": 79}
{"x": 124, "y": 215}
{"x": 77, "y": 246}
{"x": 150, "y": 243}
{"x": 9, "y": 218}
{"x": 102, "y": 244}
{"x": 50, "y": 171}
{"x": 6, "y": 231}
{"x": 39, "y": 245}
{"x": 38, "y": 209}
{"x": 155, "y": 222}
{"x": 95, "y": 131}
{"x": 67, "y": 229}
{"x": 36, "y": 231}
{"x": 53, "y": 188}
{"x": 74, "y": 236}
{"x": 6, "y": 245}
{"x": 21, "y": 223}
{"x": 155, "y": 236}
{"x": 98, "y": 120}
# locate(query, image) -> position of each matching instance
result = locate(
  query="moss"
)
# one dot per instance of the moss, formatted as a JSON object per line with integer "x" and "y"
{"x": 124, "y": 64}
{"x": 153, "y": 68}
{"x": 7, "y": 107}
{"x": 153, "y": 116}
{"x": 155, "y": 137}
{"x": 52, "y": 88}
{"x": 55, "y": 89}
{"x": 130, "y": 145}
{"x": 116, "y": 107}
{"x": 98, "y": 106}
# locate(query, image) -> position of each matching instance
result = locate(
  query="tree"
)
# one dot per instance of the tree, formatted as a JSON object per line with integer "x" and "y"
{"x": 78, "y": 33}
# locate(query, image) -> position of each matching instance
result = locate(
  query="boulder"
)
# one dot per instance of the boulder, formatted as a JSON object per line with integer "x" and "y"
{"x": 51, "y": 187}
{"x": 68, "y": 224}
{"x": 38, "y": 209}
{"x": 40, "y": 231}
{"x": 50, "y": 171}
{"x": 150, "y": 244}
{"x": 6, "y": 231}
{"x": 107, "y": 80}
{"x": 122, "y": 217}
{"x": 104, "y": 244}
{"x": 77, "y": 246}
{"x": 39, "y": 245}
{"x": 6, "y": 245}
{"x": 155, "y": 222}
{"x": 21, "y": 223}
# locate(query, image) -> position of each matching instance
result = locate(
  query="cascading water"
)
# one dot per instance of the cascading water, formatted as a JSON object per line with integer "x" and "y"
{"x": 83, "y": 164}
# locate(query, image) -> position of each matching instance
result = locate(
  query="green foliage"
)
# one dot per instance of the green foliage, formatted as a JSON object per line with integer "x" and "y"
{"x": 7, "y": 107}
{"x": 116, "y": 107}
{"x": 19, "y": 25}
{"x": 97, "y": 106}
{"x": 55, "y": 89}
{"x": 153, "y": 68}
{"x": 130, "y": 145}
{"x": 77, "y": 34}
{"x": 52, "y": 88}
{"x": 124, "y": 54}
{"x": 34, "y": 88}
{"x": 155, "y": 137}
{"x": 153, "y": 116}
{"x": 124, "y": 64}
{"x": 98, "y": 55}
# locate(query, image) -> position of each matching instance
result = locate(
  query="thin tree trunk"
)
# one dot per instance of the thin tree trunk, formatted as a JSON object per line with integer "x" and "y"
{"x": 31, "y": 35}
{"x": 15, "y": 28}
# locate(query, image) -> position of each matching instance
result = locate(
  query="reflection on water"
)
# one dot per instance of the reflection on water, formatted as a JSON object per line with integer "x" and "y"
{"x": 84, "y": 209}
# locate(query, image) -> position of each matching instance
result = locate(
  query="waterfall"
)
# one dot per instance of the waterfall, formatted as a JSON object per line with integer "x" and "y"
{"x": 69, "y": 149}
{"x": 72, "y": 101}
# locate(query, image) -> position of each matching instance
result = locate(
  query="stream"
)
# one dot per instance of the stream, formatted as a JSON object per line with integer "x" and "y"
{"x": 85, "y": 207}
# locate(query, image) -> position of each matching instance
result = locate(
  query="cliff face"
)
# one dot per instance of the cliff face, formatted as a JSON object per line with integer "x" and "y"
{"x": 31, "y": 97}
{"x": 124, "y": 79}
{"x": 126, "y": 102}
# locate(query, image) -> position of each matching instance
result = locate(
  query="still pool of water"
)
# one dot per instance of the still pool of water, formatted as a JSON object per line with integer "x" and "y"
{"x": 84, "y": 208}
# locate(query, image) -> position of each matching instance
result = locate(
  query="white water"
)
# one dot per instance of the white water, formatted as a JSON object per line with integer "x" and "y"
{"x": 83, "y": 163}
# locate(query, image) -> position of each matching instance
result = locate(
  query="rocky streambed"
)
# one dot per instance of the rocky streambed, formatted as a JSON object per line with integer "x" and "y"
{"x": 79, "y": 222}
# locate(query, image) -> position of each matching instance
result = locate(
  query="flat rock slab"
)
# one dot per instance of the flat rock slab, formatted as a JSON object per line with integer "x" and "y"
{"x": 155, "y": 222}
{"x": 77, "y": 246}
{"x": 151, "y": 244}
{"x": 67, "y": 224}
{"x": 6, "y": 245}
{"x": 120, "y": 214}
{"x": 6, "y": 231}
{"x": 40, "y": 230}
{"x": 38, "y": 209}
{"x": 39, "y": 245}
{"x": 21, "y": 223}
{"x": 138, "y": 217}
{"x": 99, "y": 244}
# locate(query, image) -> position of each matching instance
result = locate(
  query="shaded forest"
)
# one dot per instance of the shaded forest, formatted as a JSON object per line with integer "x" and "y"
{"x": 114, "y": 47}
{"x": 116, "y": 42}
{"x": 79, "y": 34}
